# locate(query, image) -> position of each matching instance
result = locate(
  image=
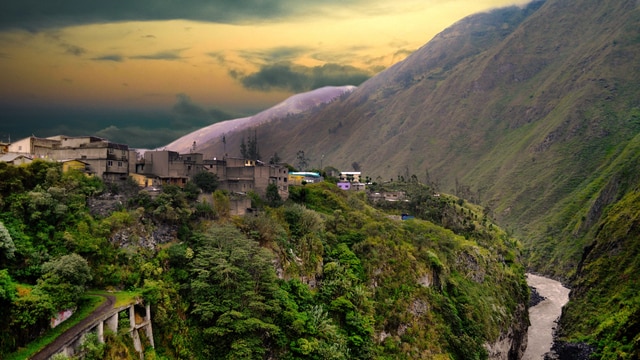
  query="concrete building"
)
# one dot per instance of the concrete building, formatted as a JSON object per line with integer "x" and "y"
{"x": 242, "y": 175}
{"x": 235, "y": 175}
{"x": 169, "y": 167}
{"x": 297, "y": 178}
{"x": 15, "y": 159}
{"x": 107, "y": 160}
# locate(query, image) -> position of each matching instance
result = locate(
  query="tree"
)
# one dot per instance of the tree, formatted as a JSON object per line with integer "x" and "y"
{"x": 275, "y": 159}
{"x": 206, "y": 181}
{"x": 7, "y": 247}
{"x": 273, "y": 196}
{"x": 233, "y": 287}
{"x": 301, "y": 160}
{"x": 65, "y": 279}
{"x": 249, "y": 150}
{"x": 355, "y": 166}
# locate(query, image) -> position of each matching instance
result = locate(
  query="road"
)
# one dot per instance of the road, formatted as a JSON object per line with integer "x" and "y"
{"x": 54, "y": 346}
{"x": 543, "y": 316}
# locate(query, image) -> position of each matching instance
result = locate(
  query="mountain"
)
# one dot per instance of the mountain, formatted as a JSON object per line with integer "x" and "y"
{"x": 209, "y": 138}
{"x": 533, "y": 112}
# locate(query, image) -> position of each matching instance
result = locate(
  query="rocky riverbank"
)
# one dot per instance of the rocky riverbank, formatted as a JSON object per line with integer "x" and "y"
{"x": 569, "y": 351}
{"x": 535, "y": 298}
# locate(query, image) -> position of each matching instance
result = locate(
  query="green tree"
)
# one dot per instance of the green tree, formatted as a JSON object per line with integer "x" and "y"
{"x": 7, "y": 247}
{"x": 206, "y": 181}
{"x": 65, "y": 279}
{"x": 273, "y": 196}
{"x": 232, "y": 294}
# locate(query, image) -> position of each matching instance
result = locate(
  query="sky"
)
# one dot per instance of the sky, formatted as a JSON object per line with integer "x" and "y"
{"x": 145, "y": 72}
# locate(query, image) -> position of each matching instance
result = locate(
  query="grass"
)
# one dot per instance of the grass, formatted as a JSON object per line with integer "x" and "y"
{"x": 123, "y": 298}
{"x": 88, "y": 304}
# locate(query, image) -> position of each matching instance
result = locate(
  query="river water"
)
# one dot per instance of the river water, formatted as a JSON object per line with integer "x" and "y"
{"x": 544, "y": 316}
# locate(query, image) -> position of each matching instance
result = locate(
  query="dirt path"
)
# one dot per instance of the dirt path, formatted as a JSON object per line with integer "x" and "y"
{"x": 53, "y": 347}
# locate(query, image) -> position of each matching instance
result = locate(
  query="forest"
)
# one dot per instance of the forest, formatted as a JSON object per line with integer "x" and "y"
{"x": 326, "y": 274}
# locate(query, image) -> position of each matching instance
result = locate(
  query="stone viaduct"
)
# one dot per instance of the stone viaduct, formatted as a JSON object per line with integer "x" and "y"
{"x": 139, "y": 319}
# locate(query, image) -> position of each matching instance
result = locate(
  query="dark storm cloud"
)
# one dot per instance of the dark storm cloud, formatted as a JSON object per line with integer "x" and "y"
{"x": 161, "y": 55}
{"x": 35, "y": 15}
{"x": 114, "y": 57}
{"x": 297, "y": 78}
{"x": 140, "y": 137}
{"x": 186, "y": 113}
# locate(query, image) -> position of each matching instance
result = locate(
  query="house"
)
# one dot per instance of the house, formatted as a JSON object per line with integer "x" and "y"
{"x": 388, "y": 196}
{"x": 235, "y": 175}
{"x": 351, "y": 176}
{"x": 350, "y": 180}
{"x": 15, "y": 159}
{"x": 164, "y": 167}
{"x": 107, "y": 160}
{"x": 74, "y": 164}
{"x": 297, "y": 178}
{"x": 242, "y": 175}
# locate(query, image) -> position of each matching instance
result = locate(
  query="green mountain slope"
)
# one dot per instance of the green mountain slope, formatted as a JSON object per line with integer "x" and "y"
{"x": 522, "y": 107}
{"x": 533, "y": 112}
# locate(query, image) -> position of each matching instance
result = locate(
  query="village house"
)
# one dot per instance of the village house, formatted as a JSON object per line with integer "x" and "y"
{"x": 350, "y": 180}
{"x": 105, "y": 159}
{"x": 300, "y": 177}
{"x": 235, "y": 175}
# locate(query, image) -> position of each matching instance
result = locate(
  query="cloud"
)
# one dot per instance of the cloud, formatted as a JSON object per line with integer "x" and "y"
{"x": 298, "y": 78}
{"x": 35, "y": 15}
{"x": 140, "y": 137}
{"x": 274, "y": 55}
{"x": 186, "y": 113}
{"x": 72, "y": 49}
{"x": 113, "y": 57}
{"x": 169, "y": 55}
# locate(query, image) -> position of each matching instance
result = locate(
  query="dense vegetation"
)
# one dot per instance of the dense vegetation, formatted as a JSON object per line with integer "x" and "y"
{"x": 531, "y": 111}
{"x": 324, "y": 275}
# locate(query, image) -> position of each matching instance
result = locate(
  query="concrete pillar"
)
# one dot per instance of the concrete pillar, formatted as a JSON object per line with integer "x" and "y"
{"x": 100, "y": 331}
{"x": 112, "y": 323}
{"x": 132, "y": 317}
{"x": 148, "y": 328}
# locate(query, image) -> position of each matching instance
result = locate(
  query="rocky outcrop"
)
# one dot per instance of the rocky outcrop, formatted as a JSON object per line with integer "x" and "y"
{"x": 512, "y": 343}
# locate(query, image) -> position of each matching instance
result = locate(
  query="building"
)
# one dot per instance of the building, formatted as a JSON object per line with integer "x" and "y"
{"x": 105, "y": 159}
{"x": 15, "y": 159}
{"x": 297, "y": 178}
{"x": 164, "y": 167}
{"x": 242, "y": 175}
{"x": 72, "y": 164}
{"x": 350, "y": 176}
{"x": 350, "y": 180}
{"x": 235, "y": 175}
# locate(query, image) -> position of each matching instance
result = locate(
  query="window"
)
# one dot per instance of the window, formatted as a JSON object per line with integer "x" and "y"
{"x": 109, "y": 163}
{"x": 119, "y": 163}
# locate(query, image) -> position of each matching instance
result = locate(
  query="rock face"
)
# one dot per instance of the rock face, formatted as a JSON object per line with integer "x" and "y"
{"x": 569, "y": 351}
{"x": 512, "y": 343}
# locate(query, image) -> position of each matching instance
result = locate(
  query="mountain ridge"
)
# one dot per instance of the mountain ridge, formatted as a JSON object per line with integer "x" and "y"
{"x": 530, "y": 112}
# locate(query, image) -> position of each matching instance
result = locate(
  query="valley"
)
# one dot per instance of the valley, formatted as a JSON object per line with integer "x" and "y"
{"x": 511, "y": 142}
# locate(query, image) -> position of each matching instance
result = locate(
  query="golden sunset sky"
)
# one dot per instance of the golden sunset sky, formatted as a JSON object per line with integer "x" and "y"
{"x": 71, "y": 65}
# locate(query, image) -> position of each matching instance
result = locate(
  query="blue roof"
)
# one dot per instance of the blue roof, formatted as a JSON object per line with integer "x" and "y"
{"x": 305, "y": 173}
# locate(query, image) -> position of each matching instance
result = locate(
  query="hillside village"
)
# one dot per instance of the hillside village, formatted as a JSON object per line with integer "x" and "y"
{"x": 152, "y": 169}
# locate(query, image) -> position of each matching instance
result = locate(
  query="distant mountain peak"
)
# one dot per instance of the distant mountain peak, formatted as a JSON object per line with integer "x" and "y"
{"x": 293, "y": 105}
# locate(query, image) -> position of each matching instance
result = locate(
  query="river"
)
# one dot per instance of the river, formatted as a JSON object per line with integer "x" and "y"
{"x": 543, "y": 316}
